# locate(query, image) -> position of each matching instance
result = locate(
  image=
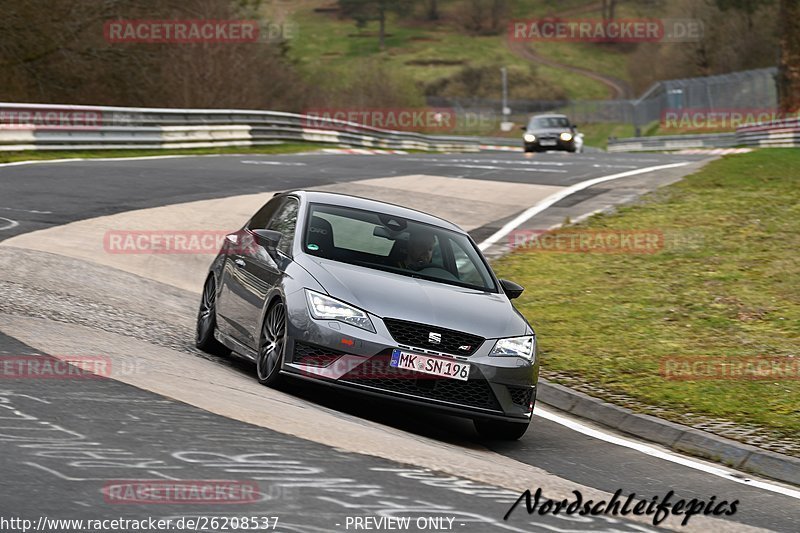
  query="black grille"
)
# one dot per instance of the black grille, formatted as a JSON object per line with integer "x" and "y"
{"x": 413, "y": 334}
{"x": 307, "y": 354}
{"x": 521, "y": 395}
{"x": 377, "y": 373}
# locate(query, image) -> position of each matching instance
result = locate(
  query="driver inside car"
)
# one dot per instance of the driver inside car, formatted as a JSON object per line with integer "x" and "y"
{"x": 420, "y": 250}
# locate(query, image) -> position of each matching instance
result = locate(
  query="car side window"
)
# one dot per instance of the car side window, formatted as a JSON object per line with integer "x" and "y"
{"x": 285, "y": 221}
{"x": 263, "y": 216}
{"x": 465, "y": 265}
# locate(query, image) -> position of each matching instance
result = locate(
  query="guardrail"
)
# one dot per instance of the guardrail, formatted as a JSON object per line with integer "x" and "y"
{"x": 672, "y": 142}
{"x": 73, "y": 127}
{"x": 783, "y": 134}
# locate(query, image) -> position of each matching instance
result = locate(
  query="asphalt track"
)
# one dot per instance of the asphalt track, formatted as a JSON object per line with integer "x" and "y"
{"x": 311, "y": 486}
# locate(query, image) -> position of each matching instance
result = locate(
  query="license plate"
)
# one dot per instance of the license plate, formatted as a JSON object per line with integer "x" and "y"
{"x": 547, "y": 142}
{"x": 435, "y": 366}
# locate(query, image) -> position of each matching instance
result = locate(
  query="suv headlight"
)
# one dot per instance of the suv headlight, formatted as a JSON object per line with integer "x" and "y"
{"x": 326, "y": 308}
{"x": 524, "y": 347}
{"x": 529, "y": 137}
{"x": 566, "y": 136}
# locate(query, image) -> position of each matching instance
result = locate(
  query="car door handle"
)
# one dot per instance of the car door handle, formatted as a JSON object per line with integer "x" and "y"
{"x": 239, "y": 262}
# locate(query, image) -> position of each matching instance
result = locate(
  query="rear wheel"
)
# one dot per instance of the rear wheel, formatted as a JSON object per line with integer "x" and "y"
{"x": 273, "y": 344}
{"x": 207, "y": 321}
{"x": 500, "y": 430}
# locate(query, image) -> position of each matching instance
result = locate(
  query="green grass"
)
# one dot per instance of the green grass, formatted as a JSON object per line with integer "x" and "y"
{"x": 336, "y": 42}
{"x": 724, "y": 285}
{"x": 577, "y": 86}
{"x": 333, "y": 43}
{"x": 597, "y": 134}
{"x": 286, "y": 148}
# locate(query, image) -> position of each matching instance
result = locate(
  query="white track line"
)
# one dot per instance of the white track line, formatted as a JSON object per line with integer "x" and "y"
{"x": 730, "y": 475}
{"x": 553, "y": 198}
{"x": 8, "y": 224}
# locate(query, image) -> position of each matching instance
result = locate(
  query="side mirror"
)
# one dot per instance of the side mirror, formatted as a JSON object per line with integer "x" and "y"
{"x": 575, "y": 126}
{"x": 268, "y": 238}
{"x": 524, "y": 128}
{"x": 511, "y": 289}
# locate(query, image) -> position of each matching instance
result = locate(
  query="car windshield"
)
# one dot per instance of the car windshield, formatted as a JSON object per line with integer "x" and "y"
{"x": 549, "y": 122}
{"x": 394, "y": 244}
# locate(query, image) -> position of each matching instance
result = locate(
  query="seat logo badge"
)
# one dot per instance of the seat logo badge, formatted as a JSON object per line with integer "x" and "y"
{"x": 434, "y": 338}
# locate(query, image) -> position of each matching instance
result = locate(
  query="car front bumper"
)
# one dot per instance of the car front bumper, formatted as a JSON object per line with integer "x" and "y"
{"x": 342, "y": 355}
{"x": 559, "y": 145}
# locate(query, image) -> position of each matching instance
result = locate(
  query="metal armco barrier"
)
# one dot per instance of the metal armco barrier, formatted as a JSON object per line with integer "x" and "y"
{"x": 783, "y": 134}
{"x": 68, "y": 127}
{"x": 672, "y": 142}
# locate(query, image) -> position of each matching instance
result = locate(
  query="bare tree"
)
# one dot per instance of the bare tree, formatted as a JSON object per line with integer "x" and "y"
{"x": 483, "y": 17}
{"x": 60, "y": 55}
{"x": 364, "y": 11}
{"x": 789, "y": 64}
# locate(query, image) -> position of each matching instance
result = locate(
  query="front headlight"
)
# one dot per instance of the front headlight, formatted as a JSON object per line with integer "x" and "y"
{"x": 529, "y": 137}
{"x": 566, "y": 136}
{"x": 516, "y": 347}
{"x": 326, "y": 308}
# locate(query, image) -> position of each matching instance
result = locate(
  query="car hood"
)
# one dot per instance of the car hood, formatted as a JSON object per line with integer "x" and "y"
{"x": 549, "y": 131}
{"x": 389, "y": 295}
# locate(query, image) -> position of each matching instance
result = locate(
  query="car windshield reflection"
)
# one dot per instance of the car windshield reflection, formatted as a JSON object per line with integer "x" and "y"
{"x": 393, "y": 244}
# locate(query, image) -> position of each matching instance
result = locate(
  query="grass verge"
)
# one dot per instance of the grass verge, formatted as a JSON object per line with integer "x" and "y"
{"x": 724, "y": 285}
{"x": 286, "y": 148}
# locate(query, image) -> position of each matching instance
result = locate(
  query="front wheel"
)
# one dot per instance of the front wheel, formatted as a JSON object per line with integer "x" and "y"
{"x": 207, "y": 321}
{"x": 500, "y": 430}
{"x": 273, "y": 343}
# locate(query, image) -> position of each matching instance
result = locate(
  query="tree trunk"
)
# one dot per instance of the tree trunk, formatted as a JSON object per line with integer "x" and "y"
{"x": 382, "y": 23}
{"x": 433, "y": 10}
{"x": 789, "y": 66}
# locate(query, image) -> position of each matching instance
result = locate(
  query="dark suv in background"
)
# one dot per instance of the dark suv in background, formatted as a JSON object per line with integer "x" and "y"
{"x": 550, "y": 132}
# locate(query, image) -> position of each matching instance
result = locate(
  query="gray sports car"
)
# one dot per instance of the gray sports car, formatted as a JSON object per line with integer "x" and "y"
{"x": 376, "y": 298}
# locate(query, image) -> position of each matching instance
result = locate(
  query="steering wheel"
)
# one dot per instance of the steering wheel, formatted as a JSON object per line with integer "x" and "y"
{"x": 436, "y": 271}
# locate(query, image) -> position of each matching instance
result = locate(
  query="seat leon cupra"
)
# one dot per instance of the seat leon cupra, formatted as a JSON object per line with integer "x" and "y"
{"x": 374, "y": 298}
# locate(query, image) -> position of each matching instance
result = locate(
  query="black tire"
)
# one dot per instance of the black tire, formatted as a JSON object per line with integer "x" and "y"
{"x": 272, "y": 345}
{"x": 207, "y": 321}
{"x": 500, "y": 430}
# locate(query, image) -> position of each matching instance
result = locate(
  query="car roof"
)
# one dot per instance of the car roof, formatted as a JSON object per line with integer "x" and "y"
{"x": 549, "y": 115}
{"x": 357, "y": 202}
